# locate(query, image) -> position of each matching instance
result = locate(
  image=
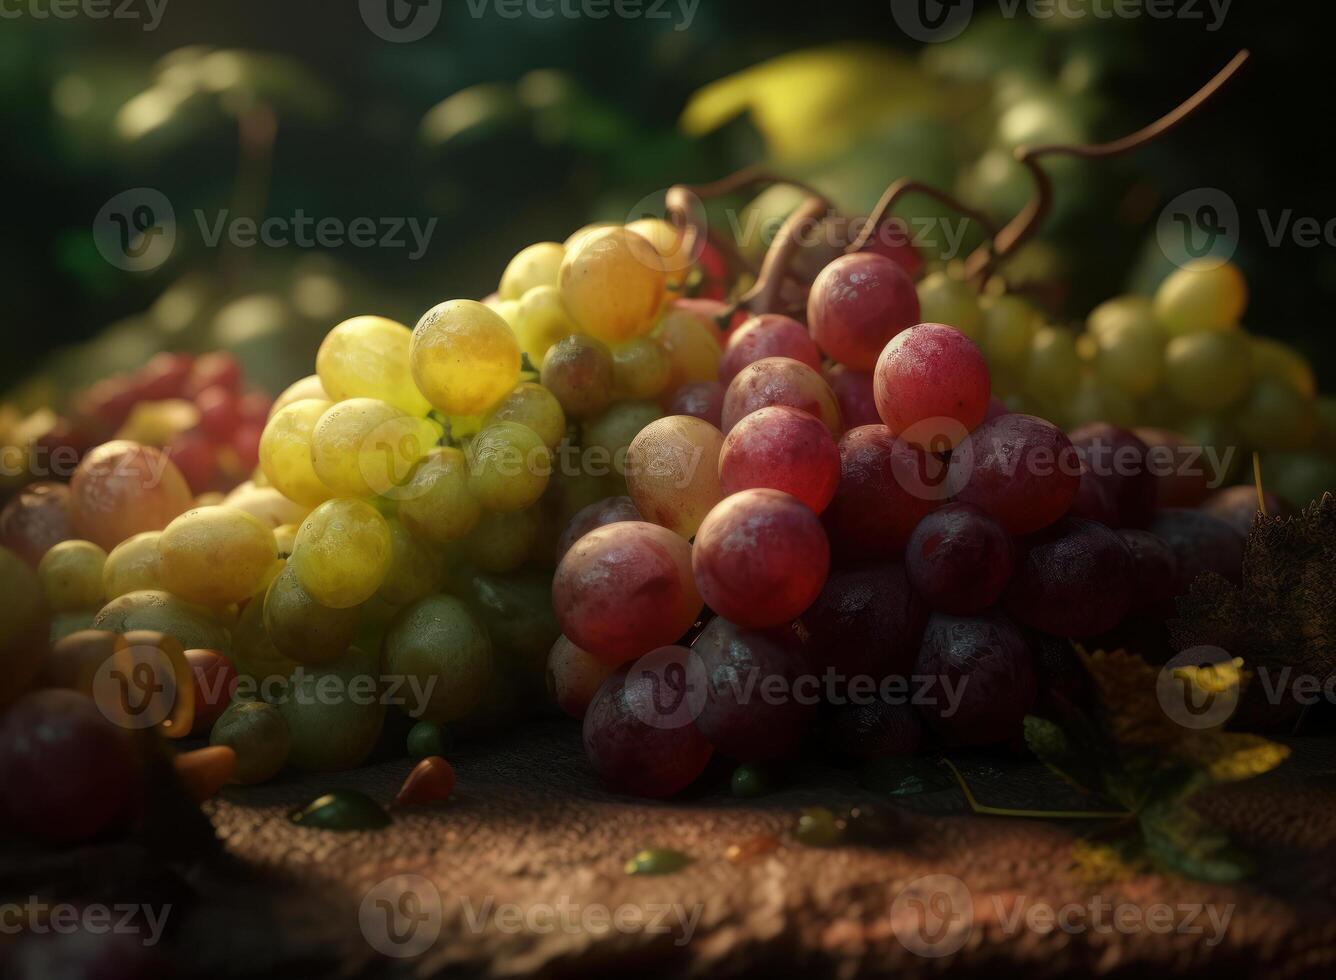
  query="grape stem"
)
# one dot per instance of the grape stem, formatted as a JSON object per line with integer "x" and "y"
{"x": 1026, "y": 224}
{"x": 764, "y": 296}
{"x": 998, "y": 811}
{"x": 904, "y": 187}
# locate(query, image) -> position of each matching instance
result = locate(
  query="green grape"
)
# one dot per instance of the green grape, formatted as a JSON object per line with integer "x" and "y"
{"x": 578, "y": 371}
{"x": 213, "y": 556}
{"x": 508, "y": 466}
{"x": 540, "y": 320}
{"x": 417, "y": 568}
{"x": 71, "y": 576}
{"x": 613, "y": 284}
{"x": 573, "y": 489}
{"x": 1207, "y": 370}
{"x": 255, "y": 656}
{"x": 367, "y": 357}
{"x": 1281, "y": 362}
{"x": 1055, "y": 367}
{"x": 134, "y": 565}
{"x": 1205, "y": 294}
{"x": 285, "y": 452}
{"x": 300, "y": 628}
{"x": 437, "y": 503}
{"x": 516, "y": 610}
{"x": 426, "y": 739}
{"x": 342, "y": 553}
{"x": 1130, "y": 357}
{"x": 532, "y": 405}
{"x": 1095, "y": 402}
{"x": 465, "y": 357}
{"x": 1009, "y": 326}
{"x": 334, "y": 713}
{"x": 502, "y": 541}
{"x": 258, "y": 735}
{"x": 1299, "y": 477}
{"x": 24, "y": 629}
{"x": 534, "y": 266}
{"x": 1275, "y": 417}
{"x": 612, "y": 432}
{"x": 67, "y": 624}
{"x": 162, "y": 612}
{"x": 1121, "y": 311}
{"x": 441, "y": 645}
{"x": 640, "y": 369}
{"x": 507, "y": 309}
{"x": 1218, "y": 435}
{"x": 946, "y": 299}
{"x": 363, "y": 447}
{"x": 308, "y": 387}
{"x": 691, "y": 344}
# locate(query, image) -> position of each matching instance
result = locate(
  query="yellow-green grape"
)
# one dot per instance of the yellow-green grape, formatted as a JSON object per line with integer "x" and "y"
{"x": 213, "y": 556}
{"x": 578, "y": 372}
{"x": 692, "y": 346}
{"x": 507, "y": 309}
{"x": 133, "y": 566}
{"x": 536, "y": 265}
{"x": 1009, "y": 326}
{"x": 363, "y": 447}
{"x": 440, "y": 644}
{"x": 307, "y": 387}
{"x": 1116, "y": 313}
{"x": 1276, "y": 417}
{"x": 195, "y": 627}
{"x": 1207, "y": 370}
{"x": 1055, "y": 367}
{"x": 342, "y": 553}
{"x": 334, "y": 713}
{"x": 1130, "y": 356}
{"x": 284, "y": 536}
{"x": 465, "y": 357}
{"x": 436, "y": 502}
{"x": 946, "y": 299}
{"x": 285, "y": 452}
{"x": 255, "y": 656}
{"x": 1092, "y": 401}
{"x": 417, "y": 568}
{"x": 612, "y": 432}
{"x": 301, "y": 628}
{"x": 367, "y": 357}
{"x": 532, "y": 405}
{"x": 259, "y": 736}
{"x": 668, "y": 241}
{"x": 672, "y": 472}
{"x": 613, "y": 283}
{"x": 1205, "y": 294}
{"x": 1281, "y": 362}
{"x": 640, "y": 369}
{"x": 540, "y": 320}
{"x": 508, "y": 466}
{"x": 1215, "y": 434}
{"x": 267, "y": 503}
{"x": 503, "y": 540}
{"x": 1299, "y": 477}
{"x": 71, "y": 575}
{"x": 574, "y": 488}
{"x": 580, "y": 232}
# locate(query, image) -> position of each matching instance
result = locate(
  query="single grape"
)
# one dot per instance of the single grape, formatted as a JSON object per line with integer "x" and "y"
{"x": 121, "y": 488}
{"x": 444, "y": 652}
{"x": 1207, "y": 370}
{"x": 71, "y": 575}
{"x": 508, "y": 466}
{"x": 1201, "y": 542}
{"x": 334, "y": 714}
{"x": 669, "y": 243}
{"x": 1117, "y": 459}
{"x": 532, "y": 405}
{"x": 701, "y": 399}
{"x": 768, "y": 335}
{"x": 1279, "y": 361}
{"x": 692, "y": 343}
{"x": 516, "y": 610}
{"x": 37, "y": 519}
{"x": 875, "y": 729}
{"x": 613, "y": 283}
{"x": 632, "y": 756}
{"x": 854, "y": 392}
{"x": 536, "y": 265}
{"x": 436, "y": 503}
{"x": 760, "y": 558}
{"x": 1093, "y": 501}
{"x": 1276, "y": 417}
{"x": 945, "y": 299}
{"x": 1176, "y": 485}
{"x": 1155, "y": 572}
{"x": 363, "y": 447}
{"x": 1237, "y": 506}
{"x": 640, "y": 369}
{"x": 215, "y": 686}
{"x": 784, "y": 449}
{"x": 263, "y": 668}
{"x": 367, "y": 357}
{"x": 1009, "y": 327}
{"x": 1092, "y": 402}
{"x": 502, "y": 541}
{"x": 672, "y": 472}
{"x": 607, "y": 438}
{"x": 1131, "y": 357}
{"x": 624, "y": 589}
{"x": 342, "y": 553}
{"x": 1054, "y": 366}
{"x": 465, "y": 357}
{"x": 1074, "y": 578}
{"x": 213, "y": 556}
{"x": 1205, "y": 294}
{"x": 579, "y": 372}
{"x": 857, "y": 304}
{"x": 193, "y": 626}
{"x": 1019, "y": 470}
{"x": 867, "y": 622}
{"x": 133, "y": 565}
{"x": 1119, "y": 312}
{"x": 610, "y": 510}
{"x": 983, "y": 674}
{"x": 932, "y": 386}
{"x": 959, "y": 560}
{"x": 574, "y": 676}
{"x": 301, "y": 628}
{"x": 427, "y": 739}
{"x": 258, "y": 734}
{"x": 886, "y": 487}
{"x": 286, "y": 452}
{"x": 417, "y": 567}
{"x": 303, "y": 389}
{"x": 539, "y": 320}
{"x": 780, "y": 381}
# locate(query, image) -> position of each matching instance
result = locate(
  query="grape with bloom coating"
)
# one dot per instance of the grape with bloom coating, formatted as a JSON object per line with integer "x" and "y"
{"x": 536, "y": 265}
{"x": 122, "y": 488}
{"x": 367, "y": 357}
{"x": 465, "y": 357}
{"x": 780, "y": 381}
{"x": 539, "y": 320}
{"x": 285, "y": 452}
{"x": 579, "y": 373}
{"x": 303, "y": 629}
{"x": 342, "y": 553}
{"x": 781, "y": 448}
{"x": 133, "y": 565}
{"x": 640, "y": 368}
{"x": 987, "y": 660}
{"x": 436, "y": 502}
{"x": 624, "y": 589}
{"x": 857, "y": 304}
{"x": 760, "y": 558}
{"x": 768, "y": 335}
{"x": 532, "y": 405}
{"x": 600, "y": 513}
{"x": 613, "y": 283}
{"x": 672, "y": 472}
{"x": 1019, "y": 470}
{"x": 932, "y": 386}
{"x": 1205, "y": 294}
{"x": 959, "y": 559}
{"x": 71, "y": 574}
{"x": 508, "y": 466}
{"x": 363, "y": 447}
{"x": 886, "y": 486}
{"x": 701, "y": 399}
{"x": 214, "y": 556}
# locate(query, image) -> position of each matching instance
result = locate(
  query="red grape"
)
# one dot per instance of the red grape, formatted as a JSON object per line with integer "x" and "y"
{"x": 1175, "y": 485}
{"x": 781, "y": 448}
{"x": 219, "y": 412}
{"x": 1201, "y": 542}
{"x": 867, "y": 622}
{"x": 600, "y": 513}
{"x": 894, "y": 240}
{"x": 1237, "y": 506}
{"x": 216, "y": 368}
{"x": 1092, "y": 500}
{"x": 1154, "y": 572}
{"x": 780, "y": 381}
{"x": 1116, "y": 458}
{"x": 768, "y": 335}
{"x": 255, "y": 406}
{"x": 215, "y": 683}
{"x": 857, "y": 304}
{"x": 36, "y": 519}
{"x": 886, "y": 487}
{"x": 702, "y": 399}
{"x": 245, "y": 442}
{"x": 1074, "y": 578}
{"x": 107, "y": 404}
{"x": 760, "y": 558}
{"x": 932, "y": 386}
{"x": 163, "y": 376}
{"x": 996, "y": 407}
{"x": 1019, "y": 470}
{"x": 853, "y": 390}
{"x": 122, "y": 488}
{"x": 196, "y": 456}
{"x": 959, "y": 559}
{"x": 873, "y": 729}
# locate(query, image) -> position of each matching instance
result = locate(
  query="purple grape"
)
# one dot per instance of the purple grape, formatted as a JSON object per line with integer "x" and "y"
{"x": 1072, "y": 579}
{"x": 1116, "y": 458}
{"x": 1092, "y": 501}
{"x": 875, "y": 728}
{"x": 959, "y": 559}
{"x": 1201, "y": 542}
{"x": 610, "y": 510}
{"x": 1237, "y": 506}
{"x": 867, "y": 621}
{"x": 1155, "y": 572}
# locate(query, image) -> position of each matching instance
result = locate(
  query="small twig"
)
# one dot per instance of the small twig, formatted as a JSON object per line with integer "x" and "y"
{"x": 903, "y": 187}
{"x": 763, "y": 297}
{"x": 1257, "y": 480}
{"x": 998, "y": 811}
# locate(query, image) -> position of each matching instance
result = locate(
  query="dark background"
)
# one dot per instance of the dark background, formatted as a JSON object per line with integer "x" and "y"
{"x": 1263, "y": 143}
